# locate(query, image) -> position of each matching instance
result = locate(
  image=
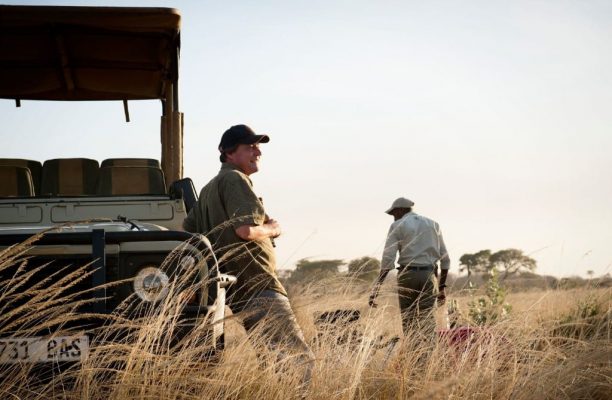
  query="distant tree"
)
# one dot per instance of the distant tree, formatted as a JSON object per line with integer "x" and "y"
{"x": 307, "y": 271}
{"x": 590, "y": 273}
{"x": 475, "y": 263}
{"x": 511, "y": 261}
{"x": 364, "y": 268}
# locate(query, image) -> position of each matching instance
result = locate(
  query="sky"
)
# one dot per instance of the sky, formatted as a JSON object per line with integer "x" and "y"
{"x": 494, "y": 117}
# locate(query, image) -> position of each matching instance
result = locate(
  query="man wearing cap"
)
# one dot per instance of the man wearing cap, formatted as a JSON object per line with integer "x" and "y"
{"x": 233, "y": 218}
{"x": 418, "y": 242}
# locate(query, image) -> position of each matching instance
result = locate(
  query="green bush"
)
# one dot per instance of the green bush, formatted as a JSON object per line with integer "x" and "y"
{"x": 492, "y": 307}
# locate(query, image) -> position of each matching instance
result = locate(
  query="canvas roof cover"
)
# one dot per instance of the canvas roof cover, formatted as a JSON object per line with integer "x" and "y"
{"x": 87, "y": 53}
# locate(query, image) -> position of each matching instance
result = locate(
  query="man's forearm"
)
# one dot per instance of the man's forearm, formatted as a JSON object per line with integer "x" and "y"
{"x": 257, "y": 232}
{"x": 381, "y": 278}
{"x": 443, "y": 275}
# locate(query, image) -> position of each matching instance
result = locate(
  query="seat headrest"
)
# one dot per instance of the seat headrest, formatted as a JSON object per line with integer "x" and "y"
{"x": 131, "y": 181}
{"x": 35, "y": 168}
{"x": 70, "y": 176}
{"x": 15, "y": 181}
{"x": 130, "y": 162}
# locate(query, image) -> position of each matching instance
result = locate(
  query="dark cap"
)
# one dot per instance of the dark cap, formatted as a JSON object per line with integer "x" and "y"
{"x": 240, "y": 134}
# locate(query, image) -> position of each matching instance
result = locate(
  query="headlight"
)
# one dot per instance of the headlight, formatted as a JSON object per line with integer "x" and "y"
{"x": 186, "y": 263}
{"x": 151, "y": 284}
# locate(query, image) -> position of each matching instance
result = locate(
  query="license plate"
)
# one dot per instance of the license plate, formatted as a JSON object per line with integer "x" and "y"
{"x": 38, "y": 349}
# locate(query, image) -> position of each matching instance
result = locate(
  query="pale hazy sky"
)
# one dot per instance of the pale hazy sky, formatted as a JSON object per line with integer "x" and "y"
{"x": 494, "y": 117}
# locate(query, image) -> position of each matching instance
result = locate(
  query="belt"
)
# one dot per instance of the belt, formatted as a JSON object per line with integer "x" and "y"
{"x": 415, "y": 268}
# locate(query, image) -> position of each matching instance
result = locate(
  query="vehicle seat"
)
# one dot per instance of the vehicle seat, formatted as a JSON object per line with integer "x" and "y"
{"x": 35, "y": 168}
{"x": 70, "y": 177}
{"x": 15, "y": 181}
{"x": 131, "y": 181}
{"x": 130, "y": 162}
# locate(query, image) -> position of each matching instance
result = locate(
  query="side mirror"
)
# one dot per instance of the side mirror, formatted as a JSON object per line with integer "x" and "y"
{"x": 184, "y": 189}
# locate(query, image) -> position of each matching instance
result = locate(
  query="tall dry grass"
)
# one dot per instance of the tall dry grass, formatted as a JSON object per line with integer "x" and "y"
{"x": 554, "y": 345}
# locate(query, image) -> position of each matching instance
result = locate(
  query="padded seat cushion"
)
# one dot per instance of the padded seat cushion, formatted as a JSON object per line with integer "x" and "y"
{"x": 35, "y": 168}
{"x": 130, "y": 162}
{"x": 131, "y": 181}
{"x": 15, "y": 181}
{"x": 70, "y": 177}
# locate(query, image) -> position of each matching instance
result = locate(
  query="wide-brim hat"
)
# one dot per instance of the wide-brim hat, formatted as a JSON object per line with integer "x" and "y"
{"x": 400, "y": 202}
{"x": 240, "y": 134}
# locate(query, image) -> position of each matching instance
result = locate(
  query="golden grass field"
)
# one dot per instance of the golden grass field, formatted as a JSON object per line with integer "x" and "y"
{"x": 553, "y": 345}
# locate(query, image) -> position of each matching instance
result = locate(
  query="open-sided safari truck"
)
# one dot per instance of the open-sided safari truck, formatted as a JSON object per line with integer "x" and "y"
{"x": 120, "y": 218}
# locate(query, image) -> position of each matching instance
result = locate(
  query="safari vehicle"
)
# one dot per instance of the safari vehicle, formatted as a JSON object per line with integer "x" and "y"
{"x": 121, "y": 218}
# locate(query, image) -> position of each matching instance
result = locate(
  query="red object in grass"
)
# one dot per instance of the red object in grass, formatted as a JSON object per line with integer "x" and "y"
{"x": 462, "y": 335}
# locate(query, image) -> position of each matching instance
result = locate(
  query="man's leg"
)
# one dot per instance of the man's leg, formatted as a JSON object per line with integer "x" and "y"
{"x": 269, "y": 318}
{"x": 417, "y": 298}
{"x": 426, "y": 302}
{"x": 407, "y": 289}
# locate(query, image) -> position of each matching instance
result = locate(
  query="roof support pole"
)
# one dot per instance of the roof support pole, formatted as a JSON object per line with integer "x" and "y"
{"x": 166, "y": 159}
{"x": 172, "y": 138}
{"x": 177, "y": 145}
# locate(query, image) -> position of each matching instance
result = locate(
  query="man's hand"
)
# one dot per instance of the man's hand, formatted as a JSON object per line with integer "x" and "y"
{"x": 442, "y": 286}
{"x": 441, "y": 296}
{"x": 270, "y": 229}
{"x": 274, "y": 226}
{"x": 381, "y": 278}
{"x": 373, "y": 295}
{"x": 371, "y": 302}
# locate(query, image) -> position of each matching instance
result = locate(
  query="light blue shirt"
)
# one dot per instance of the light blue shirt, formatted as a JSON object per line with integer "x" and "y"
{"x": 417, "y": 240}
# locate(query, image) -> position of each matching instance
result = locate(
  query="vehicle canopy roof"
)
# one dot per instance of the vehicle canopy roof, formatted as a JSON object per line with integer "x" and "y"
{"x": 96, "y": 53}
{"x": 88, "y": 53}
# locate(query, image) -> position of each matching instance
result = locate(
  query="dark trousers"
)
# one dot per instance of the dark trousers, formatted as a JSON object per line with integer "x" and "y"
{"x": 269, "y": 320}
{"x": 417, "y": 291}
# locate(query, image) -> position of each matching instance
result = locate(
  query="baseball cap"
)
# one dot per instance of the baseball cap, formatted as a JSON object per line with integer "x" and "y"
{"x": 400, "y": 202}
{"x": 240, "y": 134}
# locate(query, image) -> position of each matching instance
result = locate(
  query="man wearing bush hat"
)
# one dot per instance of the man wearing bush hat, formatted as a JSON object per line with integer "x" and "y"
{"x": 233, "y": 218}
{"x": 416, "y": 241}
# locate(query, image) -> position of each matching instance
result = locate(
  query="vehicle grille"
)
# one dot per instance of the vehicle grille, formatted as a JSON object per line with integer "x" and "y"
{"x": 45, "y": 284}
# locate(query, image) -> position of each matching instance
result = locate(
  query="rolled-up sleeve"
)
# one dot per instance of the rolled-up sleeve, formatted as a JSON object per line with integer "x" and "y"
{"x": 391, "y": 248}
{"x": 242, "y": 205}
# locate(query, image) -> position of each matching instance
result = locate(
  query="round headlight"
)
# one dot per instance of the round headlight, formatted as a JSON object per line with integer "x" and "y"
{"x": 187, "y": 262}
{"x": 151, "y": 284}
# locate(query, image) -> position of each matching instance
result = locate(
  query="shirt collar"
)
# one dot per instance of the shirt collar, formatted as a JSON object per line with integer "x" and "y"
{"x": 229, "y": 166}
{"x": 408, "y": 214}
{"x": 226, "y": 167}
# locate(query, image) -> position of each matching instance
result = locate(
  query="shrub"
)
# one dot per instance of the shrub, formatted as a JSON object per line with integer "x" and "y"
{"x": 491, "y": 307}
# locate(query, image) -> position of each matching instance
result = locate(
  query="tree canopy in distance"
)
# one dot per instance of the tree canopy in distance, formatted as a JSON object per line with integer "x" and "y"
{"x": 508, "y": 261}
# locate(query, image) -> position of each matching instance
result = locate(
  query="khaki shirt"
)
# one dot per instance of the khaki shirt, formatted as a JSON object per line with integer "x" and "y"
{"x": 226, "y": 203}
{"x": 419, "y": 242}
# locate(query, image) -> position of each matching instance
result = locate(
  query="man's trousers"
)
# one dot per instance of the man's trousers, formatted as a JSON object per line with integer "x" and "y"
{"x": 417, "y": 290}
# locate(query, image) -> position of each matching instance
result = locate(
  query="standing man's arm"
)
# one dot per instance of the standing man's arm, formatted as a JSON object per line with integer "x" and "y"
{"x": 250, "y": 221}
{"x": 376, "y": 288}
{"x": 444, "y": 267}
{"x": 387, "y": 263}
